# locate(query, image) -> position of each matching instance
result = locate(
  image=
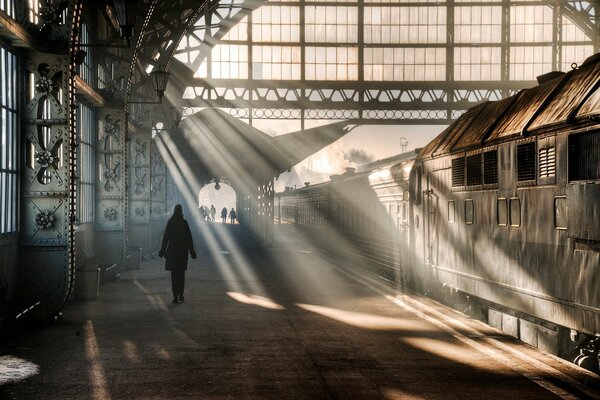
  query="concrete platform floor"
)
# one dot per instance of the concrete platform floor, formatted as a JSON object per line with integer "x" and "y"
{"x": 280, "y": 323}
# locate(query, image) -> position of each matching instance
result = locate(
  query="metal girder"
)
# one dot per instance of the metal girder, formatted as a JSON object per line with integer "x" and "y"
{"x": 165, "y": 25}
{"x": 345, "y": 100}
{"x": 209, "y": 21}
{"x": 585, "y": 14}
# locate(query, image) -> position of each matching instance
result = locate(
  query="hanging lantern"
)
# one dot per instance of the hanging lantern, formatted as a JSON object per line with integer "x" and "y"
{"x": 159, "y": 79}
{"x": 126, "y": 13}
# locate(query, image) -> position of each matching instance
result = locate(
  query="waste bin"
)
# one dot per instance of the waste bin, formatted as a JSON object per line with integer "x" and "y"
{"x": 135, "y": 258}
{"x": 87, "y": 282}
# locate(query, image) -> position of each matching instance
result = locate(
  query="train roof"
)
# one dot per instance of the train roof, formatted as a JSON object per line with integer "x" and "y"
{"x": 559, "y": 100}
{"x": 396, "y": 159}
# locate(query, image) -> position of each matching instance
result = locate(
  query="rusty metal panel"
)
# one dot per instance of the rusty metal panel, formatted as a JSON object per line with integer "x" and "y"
{"x": 429, "y": 149}
{"x": 495, "y": 318}
{"x": 521, "y": 110}
{"x": 478, "y": 125}
{"x": 459, "y": 129}
{"x": 569, "y": 97}
{"x": 591, "y": 106}
{"x": 583, "y": 209}
{"x": 528, "y": 332}
{"x": 510, "y": 325}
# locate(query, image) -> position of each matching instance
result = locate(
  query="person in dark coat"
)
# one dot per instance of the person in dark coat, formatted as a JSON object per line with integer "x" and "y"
{"x": 232, "y": 216}
{"x": 224, "y": 215}
{"x": 177, "y": 241}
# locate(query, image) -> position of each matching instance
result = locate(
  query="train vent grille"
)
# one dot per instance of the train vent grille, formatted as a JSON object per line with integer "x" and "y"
{"x": 526, "y": 162}
{"x": 584, "y": 156}
{"x": 458, "y": 172}
{"x": 547, "y": 162}
{"x": 474, "y": 170}
{"x": 490, "y": 167}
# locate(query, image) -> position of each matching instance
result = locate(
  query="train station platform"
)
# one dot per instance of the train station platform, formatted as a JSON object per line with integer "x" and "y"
{"x": 284, "y": 322}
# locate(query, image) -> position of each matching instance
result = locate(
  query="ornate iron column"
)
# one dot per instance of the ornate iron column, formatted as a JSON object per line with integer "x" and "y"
{"x": 49, "y": 175}
{"x": 139, "y": 190}
{"x": 111, "y": 191}
{"x": 158, "y": 197}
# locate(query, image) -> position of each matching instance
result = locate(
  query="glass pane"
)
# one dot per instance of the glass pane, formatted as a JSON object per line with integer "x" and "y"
{"x": 469, "y": 211}
{"x": 560, "y": 212}
{"x": 515, "y": 212}
{"x": 502, "y": 212}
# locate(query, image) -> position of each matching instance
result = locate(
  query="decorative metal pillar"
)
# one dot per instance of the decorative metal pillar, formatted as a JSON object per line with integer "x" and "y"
{"x": 266, "y": 196}
{"x": 255, "y": 211}
{"x": 49, "y": 176}
{"x": 111, "y": 191}
{"x": 139, "y": 191}
{"x": 158, "y": 197}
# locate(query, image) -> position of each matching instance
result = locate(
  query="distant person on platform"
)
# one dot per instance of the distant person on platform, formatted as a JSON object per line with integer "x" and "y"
{"x": 224, "y": 215}
{"x": 177, "y": 241}
{"x": 202, "y": 213}
{"x": 207, "y": 212}
{"x": 232, "y": 216}
{"x": 213, "y": 212}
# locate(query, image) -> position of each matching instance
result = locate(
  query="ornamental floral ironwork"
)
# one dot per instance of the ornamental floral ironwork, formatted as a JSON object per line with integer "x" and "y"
{"x": 140, "y": 211}
{"x": 110, "y": 177}
{"x": 44, "y": 158}
{"x": 48, "y": 83}
{"x": 44, "y": 219}
{"x": 140, "y": 147}
{"x": 156, "y": 187}
{"x": 50, "y": 13}
{"x": 44, "y": 85}
{"x": 110, "y": 127}
{"x": 110, "y": 214}
{"x": 110, "y": 174}
{"x": 139, "y": 181}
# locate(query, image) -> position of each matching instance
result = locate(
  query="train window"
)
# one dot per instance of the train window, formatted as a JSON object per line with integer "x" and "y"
{"x": 547, "y": 162}
{"x": 526, "y": 161}
{"x": 451, "y": 212}
{"x": 515, "y": 212}
{"x": 474, "y": 176}
{"x": 469, "y": 211}
{"x": 419, "y": 193}
{"x": 560, "y": 212}
{"x": 490, "y": 167}
{"x": 502, "y": 211}
{"x": 458, "y": 172}
{"x": 584, "y": 156}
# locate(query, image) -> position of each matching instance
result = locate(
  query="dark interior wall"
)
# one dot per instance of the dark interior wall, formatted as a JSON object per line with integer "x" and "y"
{"x": 9, "y": 251}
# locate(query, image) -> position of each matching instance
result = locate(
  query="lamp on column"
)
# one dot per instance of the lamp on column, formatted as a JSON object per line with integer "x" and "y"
{"x": 126, "y": 13}
{"x": 159, "y": 80}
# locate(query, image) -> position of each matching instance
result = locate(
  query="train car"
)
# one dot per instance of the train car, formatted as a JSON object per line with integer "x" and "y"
{"x": 285, "y": 207}
{"x": 498, "y": 216}
{"x": 360, "y": 215}
{"x": 506, "y": 209}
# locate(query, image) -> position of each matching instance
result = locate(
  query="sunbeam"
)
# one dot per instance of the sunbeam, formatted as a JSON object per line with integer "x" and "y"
{"x": 255, "y": 300}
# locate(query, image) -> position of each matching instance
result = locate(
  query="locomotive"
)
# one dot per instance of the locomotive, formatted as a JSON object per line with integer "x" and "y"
{"x": 499, "y": 215}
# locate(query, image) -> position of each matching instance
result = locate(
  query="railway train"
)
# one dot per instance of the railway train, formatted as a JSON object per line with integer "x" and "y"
{"x": 499, "y": 215}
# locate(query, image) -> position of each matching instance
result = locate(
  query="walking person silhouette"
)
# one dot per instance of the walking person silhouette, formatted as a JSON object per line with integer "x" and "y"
{"x": 177, "y": 241}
